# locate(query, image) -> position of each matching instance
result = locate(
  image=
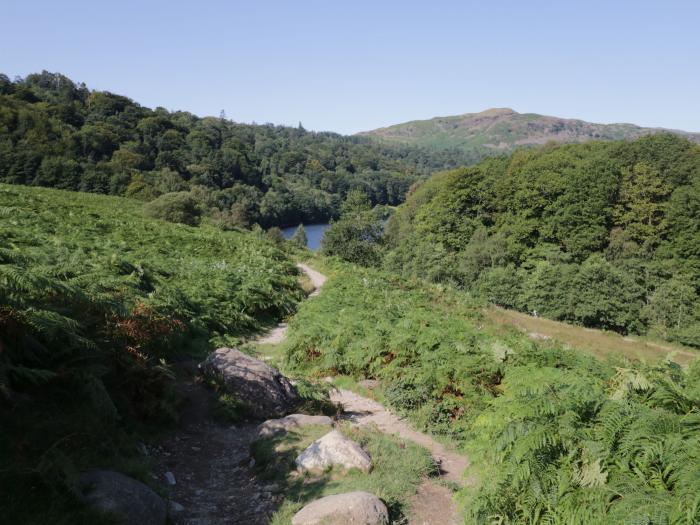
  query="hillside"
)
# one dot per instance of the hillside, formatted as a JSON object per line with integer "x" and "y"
{"x": 96, "y": 303}
{"x": 603, "y": 234}
{"x": 501, "y": 130}
{"x": 57, "y": 133}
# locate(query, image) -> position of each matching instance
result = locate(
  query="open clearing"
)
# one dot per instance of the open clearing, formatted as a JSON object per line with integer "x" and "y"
{"x": 599, "y": 343}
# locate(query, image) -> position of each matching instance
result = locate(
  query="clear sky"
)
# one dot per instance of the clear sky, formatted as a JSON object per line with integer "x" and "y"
{"x": 356, "y": 65}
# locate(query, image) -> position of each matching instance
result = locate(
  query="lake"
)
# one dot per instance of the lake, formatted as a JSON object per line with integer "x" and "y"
{"x": 314, "y": 234}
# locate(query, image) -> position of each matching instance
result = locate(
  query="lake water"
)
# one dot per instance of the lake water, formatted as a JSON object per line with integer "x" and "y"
{"x": 314, "y": 234}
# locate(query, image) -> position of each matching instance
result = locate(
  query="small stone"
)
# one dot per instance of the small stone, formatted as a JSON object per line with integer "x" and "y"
{"x": 196, "y": 449}
{"x": 176, "y": 507}
{"x": 141, "y": 449}
{"x": 272, "y": 427}
{"x": 251, "y": 463}
{"x": 170, "y": 478}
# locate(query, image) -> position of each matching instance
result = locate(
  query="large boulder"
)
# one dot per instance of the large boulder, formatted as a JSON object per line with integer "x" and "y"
{"x": 263, "y": 388}
{"x": 272, "y": 427}
{"x": 132, "y": 502}
{"x": 351, "y": 508}
{"x": 334, "y": 449}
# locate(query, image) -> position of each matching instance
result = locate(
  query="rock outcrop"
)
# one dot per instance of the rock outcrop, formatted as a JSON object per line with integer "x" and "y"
{"x": 331, "y": 450}
{"x": 272, "y": 427}
{"x": 351, "y": 508}
{"x": 262, "y": 388}
{"x": 132, "y": 502}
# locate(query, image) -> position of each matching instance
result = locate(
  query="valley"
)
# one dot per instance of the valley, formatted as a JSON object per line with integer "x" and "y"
{"x": 451, "y": 337}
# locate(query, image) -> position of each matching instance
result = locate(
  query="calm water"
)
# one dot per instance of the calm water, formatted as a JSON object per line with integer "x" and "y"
{"x": 314, "y": 234}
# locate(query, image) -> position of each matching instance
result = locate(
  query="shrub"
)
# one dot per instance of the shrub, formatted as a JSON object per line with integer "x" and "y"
{"x": 178, "y": 207}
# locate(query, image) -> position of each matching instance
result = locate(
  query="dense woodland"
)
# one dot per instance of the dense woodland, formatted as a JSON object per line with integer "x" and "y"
{"x": 57, "y": 133}
{"x": 602, "y": 234}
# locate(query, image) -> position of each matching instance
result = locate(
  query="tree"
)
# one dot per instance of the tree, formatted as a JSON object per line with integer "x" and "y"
{"x": 299, "y": 238}
{"x": 275, "y": 235}
{"x": 606, "y": 296}
{"x": 641, "y": 205}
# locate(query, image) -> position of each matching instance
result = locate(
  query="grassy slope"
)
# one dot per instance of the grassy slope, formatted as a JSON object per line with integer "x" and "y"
{"x": 95, "y": 301}
{"x": 553, "y": 433}
{"x": 599, "y": 343}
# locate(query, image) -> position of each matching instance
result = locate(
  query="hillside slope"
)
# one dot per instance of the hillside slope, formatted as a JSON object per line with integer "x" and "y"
{"x": 500, "y": 130}
{"x": 96, "y": 302}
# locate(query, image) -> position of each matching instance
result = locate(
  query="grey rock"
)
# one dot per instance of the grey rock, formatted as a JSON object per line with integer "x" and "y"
{"x": 334, "y": 449}
{"x": 170, "y": 478}
{"x": 176, "y": 507}
{"x": 351, "y": 508}
{"x": 132, "y": 502}
{"x": 264, "y": 389}
{"x": 272, "y": 427}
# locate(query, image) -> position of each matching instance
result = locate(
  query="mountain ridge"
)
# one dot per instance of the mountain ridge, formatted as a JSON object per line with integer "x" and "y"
{"x": 501, "y": 130}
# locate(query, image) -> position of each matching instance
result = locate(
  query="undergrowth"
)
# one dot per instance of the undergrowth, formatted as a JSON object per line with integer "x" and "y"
{"x": 96, "y": 301}
{"x": 554, "y": 435}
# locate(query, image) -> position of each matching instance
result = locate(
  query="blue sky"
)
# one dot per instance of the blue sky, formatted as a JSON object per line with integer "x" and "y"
{"x": 351, "y": 66}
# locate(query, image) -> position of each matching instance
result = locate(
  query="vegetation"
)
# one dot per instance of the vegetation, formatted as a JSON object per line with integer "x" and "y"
{"x": 299, "y": 238}
{"x": 96, "y": 301}
{"x": 556, "y": 436}
{"x": 601, "y": 234}
{"x": 357, "y": 236}
{"x": 472, "y": 137}
{"x": 56, "y": 133}
{"x": 399, "y": 467}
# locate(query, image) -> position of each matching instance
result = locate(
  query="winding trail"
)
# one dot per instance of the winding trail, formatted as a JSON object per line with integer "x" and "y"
{"x": 279, "y": 332}
{"x": 210, "y": 463}
{"x": 432, "y": 504}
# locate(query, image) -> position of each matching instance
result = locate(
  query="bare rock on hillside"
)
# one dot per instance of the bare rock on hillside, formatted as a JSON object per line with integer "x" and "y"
{"x": 264, "y": 389}
{"x": 351, "y": 508}
{"x": 334, "y": 449}
{"x": 132, "y": 502}
{"x": 272, "y": 427}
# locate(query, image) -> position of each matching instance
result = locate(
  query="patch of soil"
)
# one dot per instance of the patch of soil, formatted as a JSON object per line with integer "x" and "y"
{"x": 210, "y": 461}
{"x": 433, "y": 505}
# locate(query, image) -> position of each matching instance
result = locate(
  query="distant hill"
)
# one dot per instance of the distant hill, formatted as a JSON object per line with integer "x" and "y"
{"x": 500, "y": 130}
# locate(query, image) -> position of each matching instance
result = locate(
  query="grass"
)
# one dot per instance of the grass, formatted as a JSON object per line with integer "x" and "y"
{"x": 399, "y": 467}
{"x": 599, "y": 343}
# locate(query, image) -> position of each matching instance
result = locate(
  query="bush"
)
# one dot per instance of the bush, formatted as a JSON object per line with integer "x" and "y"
{"x": 180, "y": 207}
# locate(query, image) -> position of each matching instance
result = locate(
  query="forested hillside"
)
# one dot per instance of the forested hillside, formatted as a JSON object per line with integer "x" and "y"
{"x": 56, "y": 133}
{"x": 96, "y": 302}
{"x": 474, "y": 136}
{"x": 602, "y": 234}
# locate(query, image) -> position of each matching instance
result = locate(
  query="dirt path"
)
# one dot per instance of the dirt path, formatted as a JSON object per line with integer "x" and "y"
{"x": 363, "y": 411}
{"x": 279, "y": 332}
{"x": 209, "y": 462}
{"x": 432, "y": 504}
